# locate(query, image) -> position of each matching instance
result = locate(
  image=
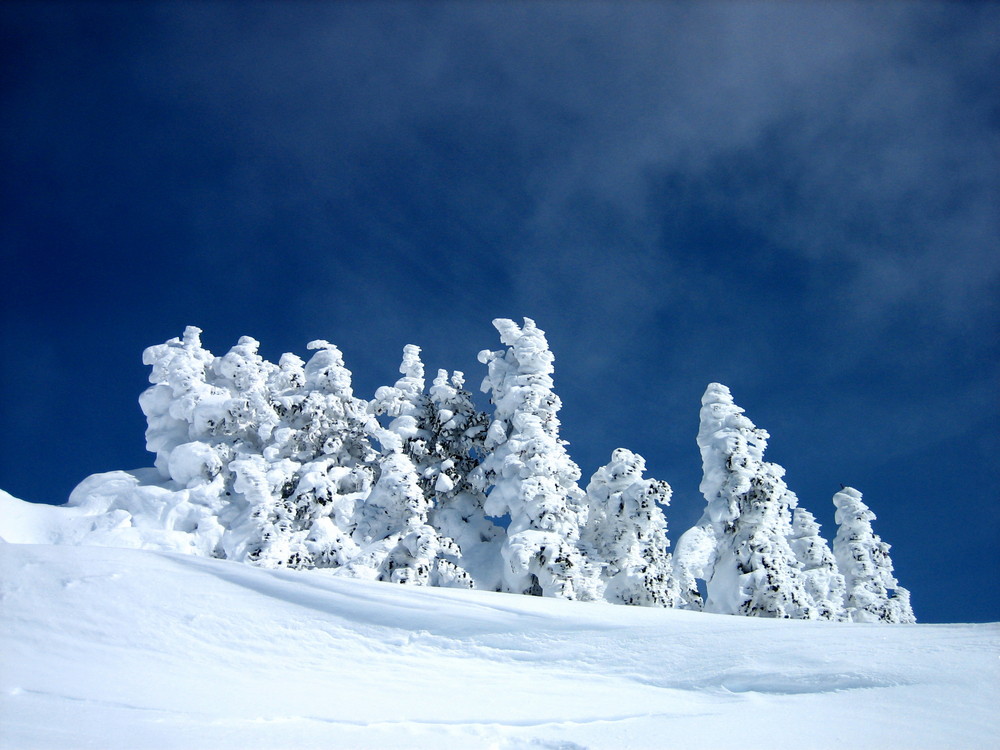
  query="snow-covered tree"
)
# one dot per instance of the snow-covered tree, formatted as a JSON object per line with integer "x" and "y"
{"x": 248, "y": 416}
{"x": 532, "y": 477}
{"x": 396, "y": 514}
{"x": 442, "y": 434}
{"x": 873, "y": 594}
{"x": 457, "y": 431}
{"x": 693, "y": 558}
{"x": 407, "y": 406}
{"x": 823, "y": 581}
{"x": 182, "y": 404}
{"x": 626, "y": 529}
{"x": 754, "y": 571}
{"x": 301, "y": 490}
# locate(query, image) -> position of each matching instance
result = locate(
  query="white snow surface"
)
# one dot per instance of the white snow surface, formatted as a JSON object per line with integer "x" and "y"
{"x": 104, "y": 647}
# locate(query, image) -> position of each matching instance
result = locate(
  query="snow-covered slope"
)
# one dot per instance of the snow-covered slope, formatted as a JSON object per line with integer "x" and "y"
{"x": 123, "y": 648}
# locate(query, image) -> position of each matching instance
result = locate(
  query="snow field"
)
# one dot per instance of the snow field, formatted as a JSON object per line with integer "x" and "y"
{"x": 120, "y": 648}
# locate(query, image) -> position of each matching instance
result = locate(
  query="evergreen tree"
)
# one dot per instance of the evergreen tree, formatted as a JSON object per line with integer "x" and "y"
{"x": 873, "y": 594}
{"x": 396, "y": 515}
{"x": 301, "y": 490}
{"x": 627, "y": 530}
{"x": 533, "y": 479}
{"x": 249, "y": 415}
{"x": 457, "y": 432}
{"x": 182, "y": 404}
{"x": 407, "y": 406}
{"x": 755, "y": 571}
{"x": 693, "y": 561}
{"x": 823, "y": 581}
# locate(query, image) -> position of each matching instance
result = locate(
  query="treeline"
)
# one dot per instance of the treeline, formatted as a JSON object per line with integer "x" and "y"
{"x": 282, "y": 466}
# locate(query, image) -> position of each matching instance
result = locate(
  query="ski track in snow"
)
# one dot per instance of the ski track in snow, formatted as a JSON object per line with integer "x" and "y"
{"x": 112, "y": 648}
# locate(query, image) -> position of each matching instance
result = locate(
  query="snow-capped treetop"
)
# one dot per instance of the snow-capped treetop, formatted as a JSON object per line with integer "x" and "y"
{"x": 805, "y": 528}
{"x": 408, "y": 405}
{"x": 177, "y": 358}
{"x": 243, "y": 366}
{"x": 529, "y": 345}
{"x": 723, "y": 432}
{"x": 403, "y": 398}
{"x": 520, "y": 377}
{"x": 325, "y": 370}
{"x": 289, "y": 376}
{"x": 851, "y": 510}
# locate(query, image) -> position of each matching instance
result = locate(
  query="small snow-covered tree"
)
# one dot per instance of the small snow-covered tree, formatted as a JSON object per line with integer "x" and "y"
{"x": 182, "y": 404}
{"x": 873, "y": 594}
{"x": 407, "y": 406}
{"x": 626, "y": 529}
{"x": 532, "y": 477}
{"x": 693, "y": 559}
{"x": 398, "y": 544}
{"x": 754, "y": 571}
{"x": 302, "y": 488}
{"x": 457, "y": 431}
{"x": 396, "y": 515}
{"x": 248, "y": 416}
{"x": 823, "y": 581}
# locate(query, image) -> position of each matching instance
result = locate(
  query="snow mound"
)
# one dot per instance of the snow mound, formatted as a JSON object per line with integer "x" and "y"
{"x": 124, "y": 648}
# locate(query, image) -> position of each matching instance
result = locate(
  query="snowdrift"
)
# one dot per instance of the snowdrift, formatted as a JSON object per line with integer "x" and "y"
{"x": 126, "y": 648}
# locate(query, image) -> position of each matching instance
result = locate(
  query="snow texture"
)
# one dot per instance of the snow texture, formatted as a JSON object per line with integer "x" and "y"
{"x": 125, "y": 649}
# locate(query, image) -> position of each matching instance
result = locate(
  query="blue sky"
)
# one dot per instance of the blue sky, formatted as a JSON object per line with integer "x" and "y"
{"x": 797, "y": 200}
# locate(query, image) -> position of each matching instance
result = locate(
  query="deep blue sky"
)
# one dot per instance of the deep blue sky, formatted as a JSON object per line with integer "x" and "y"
{"x": 797, "y": 200}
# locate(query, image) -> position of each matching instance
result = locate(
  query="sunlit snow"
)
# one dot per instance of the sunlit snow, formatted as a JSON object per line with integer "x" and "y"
{"x": 124, "y": 648}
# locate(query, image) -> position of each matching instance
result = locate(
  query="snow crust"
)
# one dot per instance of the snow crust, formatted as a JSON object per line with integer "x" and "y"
{"x": 122, "y": 648}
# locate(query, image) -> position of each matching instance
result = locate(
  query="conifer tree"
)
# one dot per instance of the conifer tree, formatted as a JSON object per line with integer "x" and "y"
{"x": 249, "y": 415}
{"x": 182, "y": 404}
{"x": 302, "y": 489}
{"x": 693, "y": 560}
{"x": 626, "y": 529}
{"x": 873, "y": 594}
{"x": 396, "y": 515}
{"x": 754, "y": 571}
{"x": 532, "y": 478}
{"x": 823, "y": 581}
{"x": 457, "y": 431}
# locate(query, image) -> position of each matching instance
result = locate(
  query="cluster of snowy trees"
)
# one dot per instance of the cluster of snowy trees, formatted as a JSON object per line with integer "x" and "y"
{"x": 282, "y": 466}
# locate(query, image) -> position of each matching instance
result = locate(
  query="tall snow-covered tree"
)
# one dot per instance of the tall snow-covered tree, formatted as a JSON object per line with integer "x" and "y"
{"x": 823, "y": 581}
{"x": 873, "y": 594}
{"x": 754, "y": 571}
{"x": 626, "y": 529}
{"x": 532, "y": 477}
